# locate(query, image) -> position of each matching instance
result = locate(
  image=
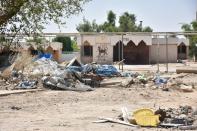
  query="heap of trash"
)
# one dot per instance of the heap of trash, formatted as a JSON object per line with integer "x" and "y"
{"x": 72, "y": 76}
{"x": 42, "y": 66}
{"x": 29, "y": 72}
{"x": 163, "y": 81}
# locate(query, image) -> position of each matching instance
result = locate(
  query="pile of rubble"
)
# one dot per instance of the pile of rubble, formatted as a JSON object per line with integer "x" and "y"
{"x": 50, "y": 74}
{"x": 165, "y": 81}
{"x": 28, "y": 72}
{"x": 184, "y": 115}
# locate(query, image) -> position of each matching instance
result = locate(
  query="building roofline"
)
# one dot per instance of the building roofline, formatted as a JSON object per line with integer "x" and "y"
{"x": 110, "y": 33}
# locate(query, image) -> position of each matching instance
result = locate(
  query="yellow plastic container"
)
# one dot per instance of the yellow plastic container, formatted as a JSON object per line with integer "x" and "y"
{"x": 143, "y": 111}
{"x": 146, "y": 117}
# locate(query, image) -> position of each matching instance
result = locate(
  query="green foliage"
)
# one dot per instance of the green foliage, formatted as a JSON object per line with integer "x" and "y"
{"x": 127, "y": 23}
{"x": 147, "y": 29}
{"x": 111, "y": 18}
{"x": 30, "y": 16}
{"x": 87, "y": 26}
{"x": 110, "y": 24}
{"x": 75, "y": 46}
{"x": 107, "y": 27}
{"x": 67, "y": 43}
{"x": 193, "y": 39}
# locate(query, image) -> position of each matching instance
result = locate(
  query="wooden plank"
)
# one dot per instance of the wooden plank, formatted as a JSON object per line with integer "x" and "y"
{"x": 6, "y": 93}
{"x": 119, "y": 122}
{"x": 186, "y": 70}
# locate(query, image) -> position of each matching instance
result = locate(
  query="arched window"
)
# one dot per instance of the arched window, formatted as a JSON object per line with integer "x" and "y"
{"x": 182, "y": 48}
{"x": 87, "y": 49}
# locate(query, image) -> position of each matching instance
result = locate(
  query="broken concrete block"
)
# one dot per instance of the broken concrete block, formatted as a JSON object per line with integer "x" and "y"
{"x": 186, "y": 88}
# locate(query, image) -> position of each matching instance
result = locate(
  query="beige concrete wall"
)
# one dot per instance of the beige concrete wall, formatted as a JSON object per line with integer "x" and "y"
{"x": 105, "y": 57}
{"x": 86, "y": 59}
{"x": 172, "y": 53}
{"x": 188, "y": 57}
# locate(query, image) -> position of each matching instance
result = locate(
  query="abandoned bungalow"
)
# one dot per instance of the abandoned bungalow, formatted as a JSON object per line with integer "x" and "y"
{"x": 54, "y": 48}
{"x": 134, "y": 49}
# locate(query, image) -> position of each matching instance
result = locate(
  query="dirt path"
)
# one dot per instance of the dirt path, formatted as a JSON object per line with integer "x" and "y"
{"x": 71, "y": 111}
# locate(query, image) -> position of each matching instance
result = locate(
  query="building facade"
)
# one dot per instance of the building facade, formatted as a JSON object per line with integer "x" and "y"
{"x": 134, "y": 49}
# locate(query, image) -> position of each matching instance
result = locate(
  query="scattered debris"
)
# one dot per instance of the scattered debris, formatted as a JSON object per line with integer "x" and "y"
{"x": 192, "y": 127}
{"x": 68, "y": 83}
{"x": 42, "y": 66}
{"x": 115, "y": 121}
{"x": 15, "y": 108}
{"x": 142, "y": 79}
{"x": 27, "y": 84}
{"x": 74, "y": 62}
{"x": 182, "y": 115}
{"x": 186, "y": 88}
{"x": 181, "y": 118}
{"x": 159, "y": 80}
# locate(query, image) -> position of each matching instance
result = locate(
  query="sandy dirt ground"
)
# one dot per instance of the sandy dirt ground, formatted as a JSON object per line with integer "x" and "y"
{"x": 51, "y": 110}
{"x": 74, "y": 111}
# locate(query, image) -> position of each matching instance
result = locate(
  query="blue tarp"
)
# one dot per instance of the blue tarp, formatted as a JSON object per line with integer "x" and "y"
{"x": 87, "y": 68}
{"x": 45, "y": 55}
{"x": 102, "y": 70}
{"x": 75, "y": 68}
{"x": 106, "y": 70}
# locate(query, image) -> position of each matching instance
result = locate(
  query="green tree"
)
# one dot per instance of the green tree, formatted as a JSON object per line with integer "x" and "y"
{"x": 30, "y": 16}
{"x": 111, "y": 18}
{"x": 87, "y": 26}
{"x": 67, "y": 43}
{"x": 107, "y": 27}
{"x": 75, "y": 46}
{"x": 147, "y": 29}
{"x": 127, "y": 22}
{"x": 193, "y": 39}
{"x": 110, "y": 24}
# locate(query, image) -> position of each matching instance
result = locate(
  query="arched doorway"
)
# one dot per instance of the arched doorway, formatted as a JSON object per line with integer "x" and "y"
{"x": 143, "y": 53}
{"x": 136, "y": 54}
{"x": 130, "y": 53}
{"x": 182, "y": 52}
{"x": 117, "y": 51}
{"x": 87, "y": 52}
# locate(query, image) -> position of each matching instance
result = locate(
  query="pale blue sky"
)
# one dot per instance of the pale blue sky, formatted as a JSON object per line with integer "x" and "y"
{"x": 161, "y": 15}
